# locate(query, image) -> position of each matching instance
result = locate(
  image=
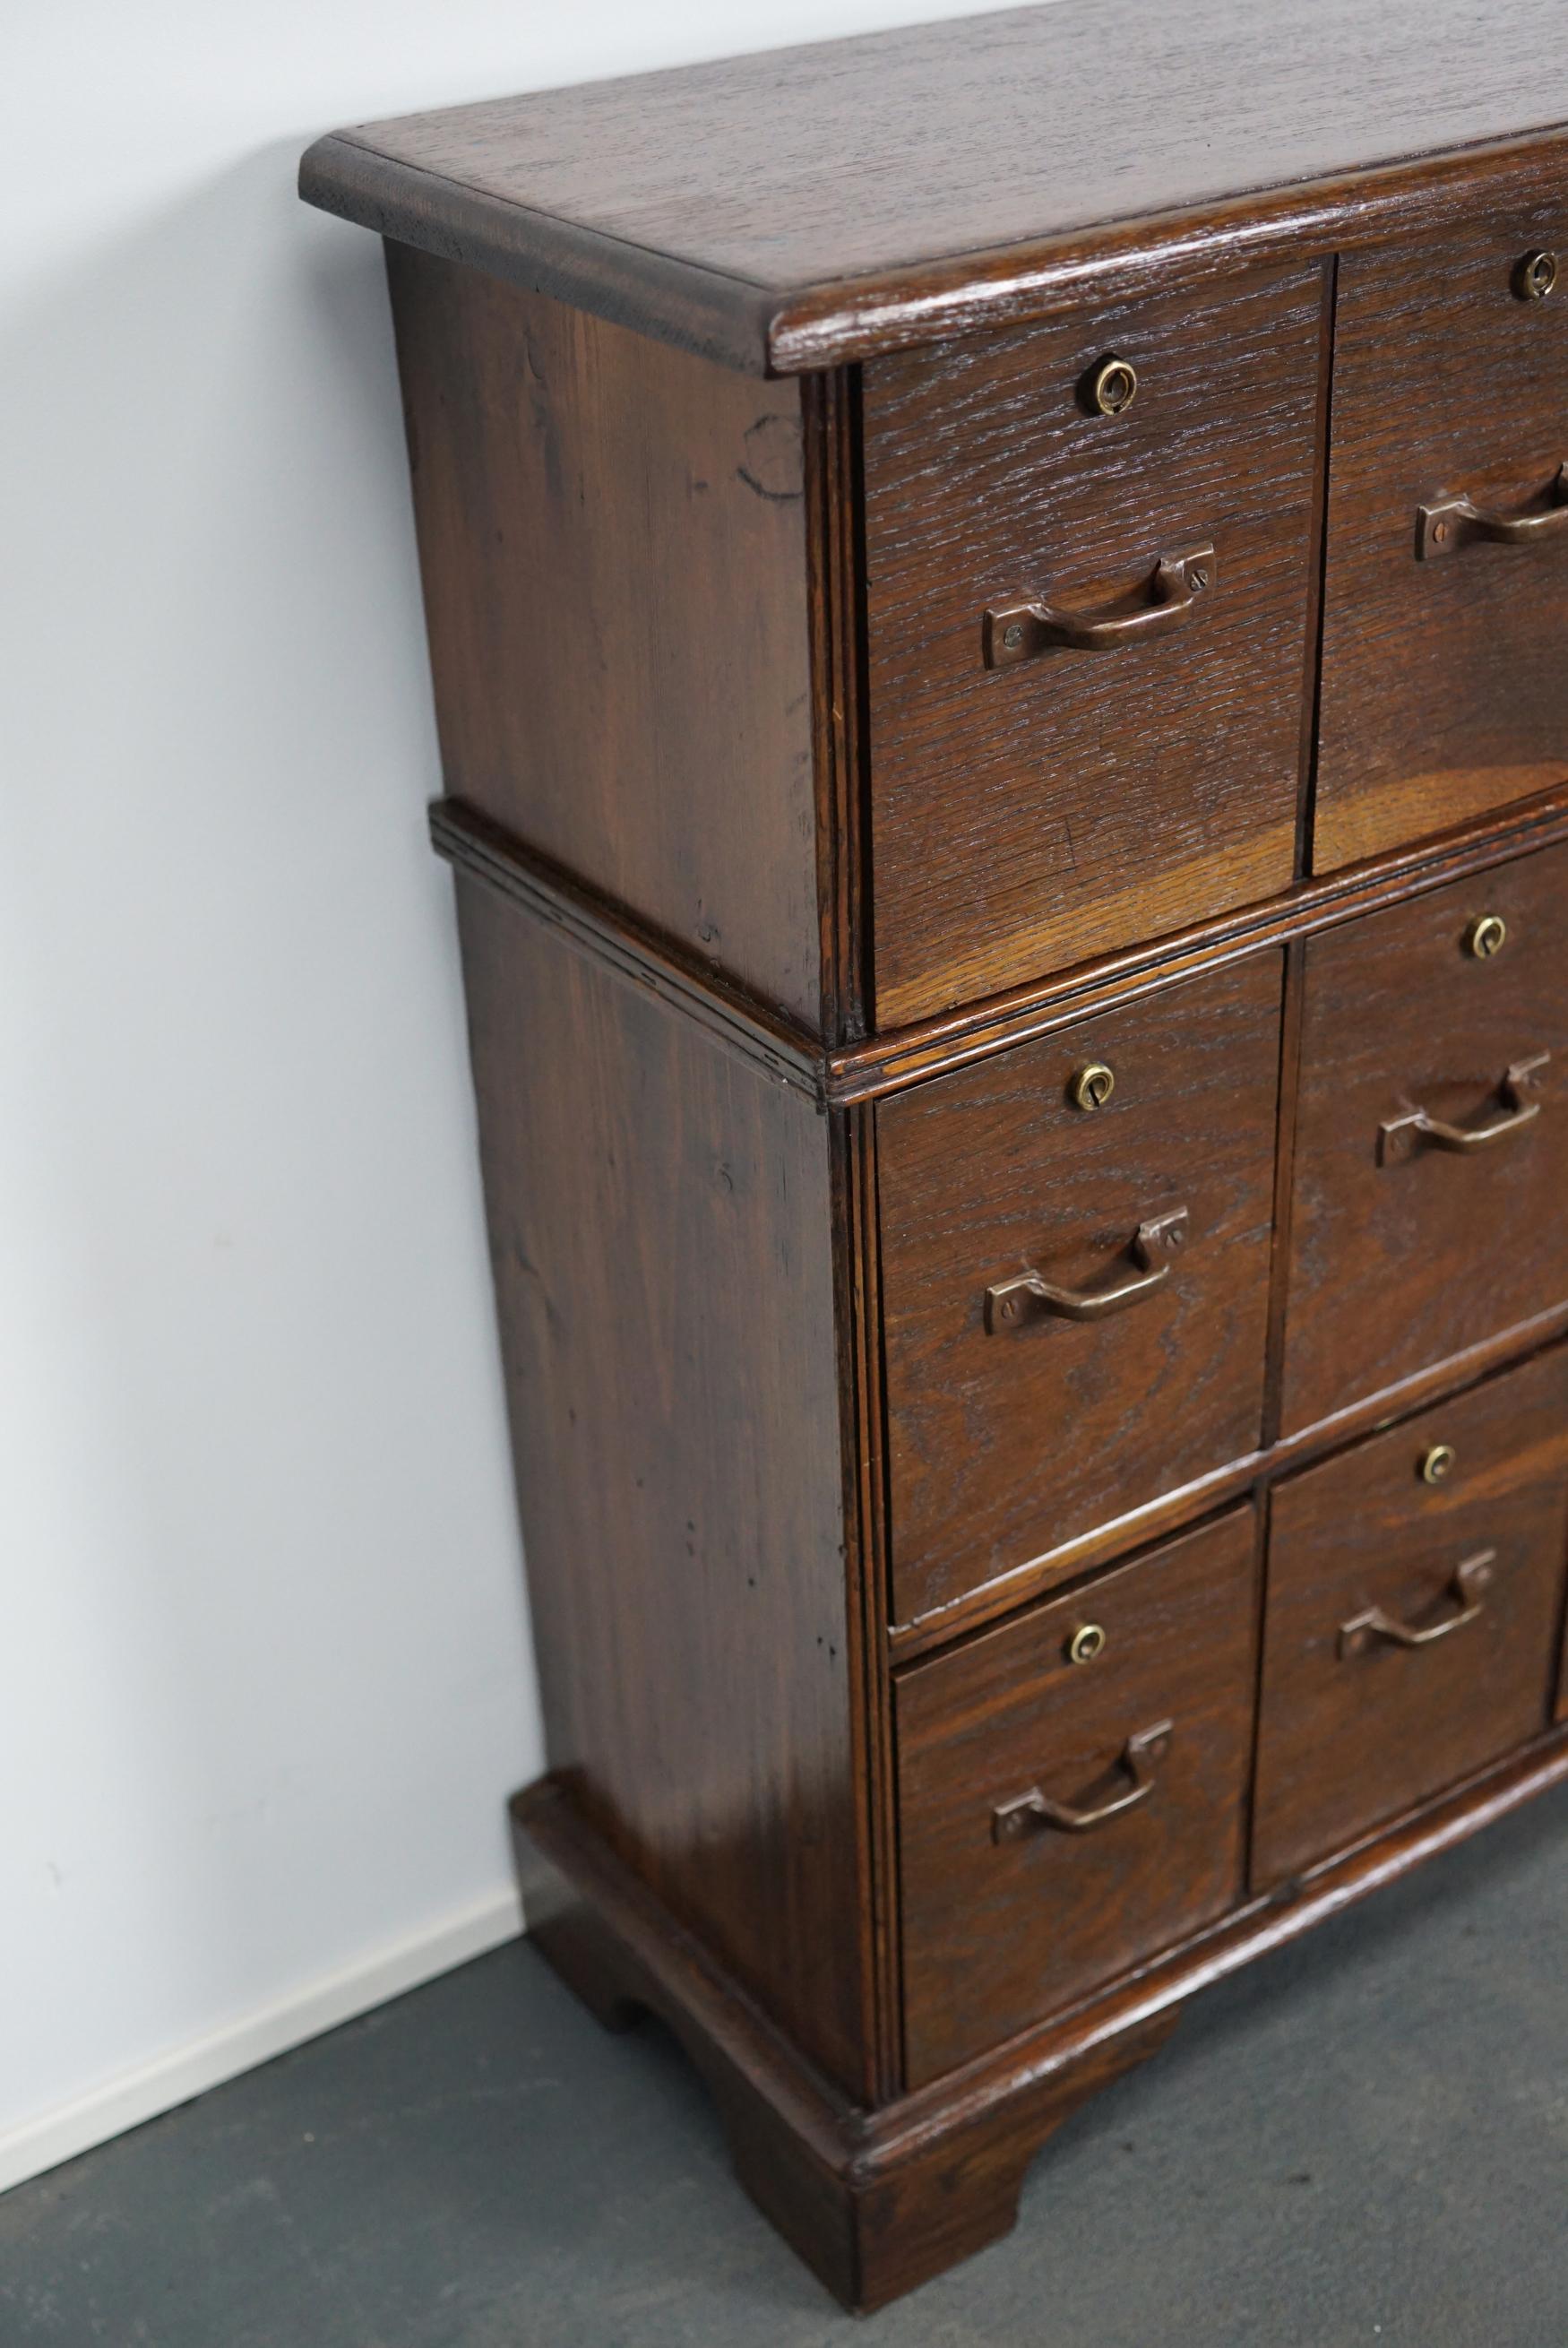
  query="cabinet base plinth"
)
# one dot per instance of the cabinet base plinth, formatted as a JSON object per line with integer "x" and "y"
{"x": 875, "y": 2202}
{"x": 878, "y": 2200}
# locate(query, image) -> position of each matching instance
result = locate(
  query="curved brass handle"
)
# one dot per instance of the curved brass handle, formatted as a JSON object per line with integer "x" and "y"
{"x": 1018, "y": 632}
{"x": 1469, "y": 1579}
{"x": 1401, "y": 1136}
{"x": 1008, "y": 1301}
{"x": 1034, "y": 1809}
{"x": 1453, "y": 522}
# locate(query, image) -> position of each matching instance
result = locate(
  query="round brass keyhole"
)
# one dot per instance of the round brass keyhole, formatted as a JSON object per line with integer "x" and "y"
{"x": 1087, "y": 1642}
{"x": 1093, "y": 1086}
{"x": 1438, "y": 1463}
{"x": 1534, "y": 276}
{"x": 1113, "y": 387}
{"x": 1486, "y": 936}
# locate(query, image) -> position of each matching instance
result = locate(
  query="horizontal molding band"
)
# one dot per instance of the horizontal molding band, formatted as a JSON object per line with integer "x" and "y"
{"x": 729, "y": 1012}
{"x": 891, "y": 1062}
{"x": 741, "y": 1021}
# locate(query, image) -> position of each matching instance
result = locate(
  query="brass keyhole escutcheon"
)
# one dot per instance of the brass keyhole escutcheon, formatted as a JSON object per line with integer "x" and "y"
{"x": 1438, "y": 1463}
{"x": 1486, "y": 936}
{"x": 1113, "y": 387}
{"x": 1087, "y": 1642}
{"x": 1534, "y": 276}
{"x": 1093, "y": 1086}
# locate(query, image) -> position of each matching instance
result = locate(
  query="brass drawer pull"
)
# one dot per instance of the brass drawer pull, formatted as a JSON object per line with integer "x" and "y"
{"x": 1401, "y": 1136}
{"x": 1453, "y": 522}
{"x": 1469, "y": 1581}
{"x": 1018, "y": 632}
{"x": 1008, "y": 1301}
{"x": 1034, "y": 1809}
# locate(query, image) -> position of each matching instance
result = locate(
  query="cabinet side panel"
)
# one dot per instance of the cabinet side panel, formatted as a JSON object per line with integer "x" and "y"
{"x": 660, "y": 1217}
{"x": 612, "y": 536}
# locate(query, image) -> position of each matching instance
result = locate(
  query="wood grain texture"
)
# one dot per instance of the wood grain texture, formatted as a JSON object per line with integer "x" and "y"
{"x": 1005, "y": 1445}
{"x": 1347, "y": 1740}
{"x": 1027, "y": 817}
{"x": 1443, "y": 691}
{"x": 807, "y": 204}
{"x": 613, "y": 542}
{"x": 899, "y": 1057}
{"x": 1398, "y": 1265}
{"x": 998, "y": 1934}
{"x": 660, "y": 1224}
{"x": 1130, "y": 1529}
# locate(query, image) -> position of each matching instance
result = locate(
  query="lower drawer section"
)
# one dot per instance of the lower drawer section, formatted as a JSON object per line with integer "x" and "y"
{"x": 1071, "y": 1791}
{"x": 1415, "y": 1589}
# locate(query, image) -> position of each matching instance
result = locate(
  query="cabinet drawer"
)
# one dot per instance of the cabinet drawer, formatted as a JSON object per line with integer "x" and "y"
{"x": 1029, "y": 815}
{"x": 1444, "y": 689}
{"x": 1409, "y": 1244}
{"x": 1014, "y": 1900}
{"x": 1012, "y": 1425}
{"x": 1413, "y": 1624}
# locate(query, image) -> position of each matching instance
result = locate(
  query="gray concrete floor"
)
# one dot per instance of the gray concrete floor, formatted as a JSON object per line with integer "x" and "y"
{"x": 1363, "y": 2140}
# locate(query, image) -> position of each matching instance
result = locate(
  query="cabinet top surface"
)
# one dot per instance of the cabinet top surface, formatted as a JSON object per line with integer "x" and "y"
{"x": 797, "y": 206}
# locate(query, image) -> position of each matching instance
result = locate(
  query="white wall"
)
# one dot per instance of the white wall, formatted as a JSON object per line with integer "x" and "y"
{"x": 265, "y": 1678}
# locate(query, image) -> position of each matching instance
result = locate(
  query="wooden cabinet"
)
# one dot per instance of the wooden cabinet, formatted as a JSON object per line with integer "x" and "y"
{"x": 995, "y": 596}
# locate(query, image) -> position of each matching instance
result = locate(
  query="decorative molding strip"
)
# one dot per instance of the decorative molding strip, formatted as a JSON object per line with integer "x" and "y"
{"x": 731, "y": 1014}
{"x": 741, "y": 1021}
{"x": 249, "y": 2039}
{"x": 908, "y": 1056}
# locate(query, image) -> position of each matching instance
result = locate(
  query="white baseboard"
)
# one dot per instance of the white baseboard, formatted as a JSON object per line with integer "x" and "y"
{"x": 127, "y": 2100}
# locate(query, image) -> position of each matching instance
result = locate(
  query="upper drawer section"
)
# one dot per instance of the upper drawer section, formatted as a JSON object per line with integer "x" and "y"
{"x": 1446, "y": 594}
{"x": 1029, "y": 815}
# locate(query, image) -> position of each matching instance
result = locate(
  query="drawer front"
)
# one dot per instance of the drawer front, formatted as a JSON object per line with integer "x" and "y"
{"x": 1410, "y": 1241}
{"x": 1412, "y": 1625}
{"x": 1012, "y": 1425}
{"x": 1028, "y": 816}
{"x": 1444, "y": 690}
{"x": 1015, "y": 1903}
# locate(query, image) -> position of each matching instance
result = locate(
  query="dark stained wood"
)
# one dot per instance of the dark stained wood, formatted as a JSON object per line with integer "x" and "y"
{"x": 811, "y": 204}
{"x": 878, "y": 2201}
{"x": 1395, "y": 1265}
{"x": 998, "y": 1934}
{"x": 864, "y": 1071}
{"x": 1004, "y": 1444}
{"x": 1348, "y": 1737}
{"x": 725, "y": 1012}
{"x": 1444, "y": 692}
{"x": 660, "y": 1227}
{"x": 1114, "y": 1536}
{"x": 830, "y": 405}
{"x": 859, "y": 1301}
{"x": 901, "y": 1056}
{"x": 785, "y": 924}
{"x": 1027, "y": 818}
{"x": 613, "y": 538}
